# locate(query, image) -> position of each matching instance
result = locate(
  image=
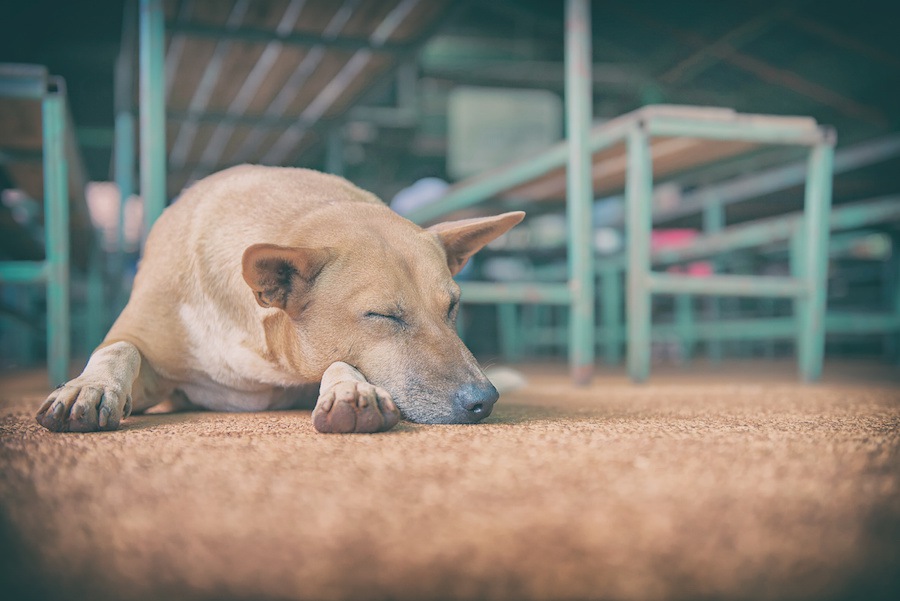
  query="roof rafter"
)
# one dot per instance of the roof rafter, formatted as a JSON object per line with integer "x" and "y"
{"x": 264, "y": 36}
{"x": 783, "y": 78}
{"x": 842, "y": 40}
{"x": 703, "y": 58}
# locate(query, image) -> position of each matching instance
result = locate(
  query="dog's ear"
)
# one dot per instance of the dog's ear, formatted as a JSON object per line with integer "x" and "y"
{"x": 464, "y": 238}
{"x": 281, "y": 275}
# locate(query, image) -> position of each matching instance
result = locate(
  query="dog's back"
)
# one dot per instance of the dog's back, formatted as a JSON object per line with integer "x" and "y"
{"x": 191, "y": 269}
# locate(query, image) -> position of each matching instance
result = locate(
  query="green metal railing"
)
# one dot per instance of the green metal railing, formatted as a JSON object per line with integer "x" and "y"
{"x": 763, "y": 236}
{"x": 153, "y": 111}
{"x": 806, "y": 286}
{"x": 29, "y": 82}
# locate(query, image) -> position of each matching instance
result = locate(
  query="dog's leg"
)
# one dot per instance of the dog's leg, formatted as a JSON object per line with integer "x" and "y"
{"x": 114, "y": 380}
{"x": 348, "y": 403}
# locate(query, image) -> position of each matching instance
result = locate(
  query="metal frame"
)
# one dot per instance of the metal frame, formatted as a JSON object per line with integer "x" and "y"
{"x": 579, "y": 189}
{"x": 53, "y": 272}
{"x": 153, "y": 111}
{"x": 764, "y": 235}
{"x": 807, "y": 286}
{"x": 636, "y": 129}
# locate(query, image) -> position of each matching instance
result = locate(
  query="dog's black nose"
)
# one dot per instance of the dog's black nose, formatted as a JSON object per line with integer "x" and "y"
{"x": 475, "y": 401}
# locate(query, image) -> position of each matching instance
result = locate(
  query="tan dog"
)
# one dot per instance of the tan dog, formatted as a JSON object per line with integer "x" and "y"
{"x": 262, "y": 284}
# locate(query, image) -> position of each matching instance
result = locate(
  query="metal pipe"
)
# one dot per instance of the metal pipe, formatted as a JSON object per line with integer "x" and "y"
{"x": 741, "y": 129}
{"x": 713, "y": 223}
{"x": 492, "y": 292}
{"x": 334, "y": 151}
{"x": 638, "y": 199}
{"x": 124, "y": 173}
{"x": 751, "y": 286}
{"x": 817, "y": 206}
{"x": 579, "y": 189}
{"x": 153, "y": 111}
{"x": 123, "y": 145}
{"x": 56, "y": 221}
{"x": 24, "y": 272}
{"x": 611, "y": 312}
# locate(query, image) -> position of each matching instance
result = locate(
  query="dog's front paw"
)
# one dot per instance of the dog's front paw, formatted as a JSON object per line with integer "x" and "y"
{"x": 352, "y": 406}
{"x": 80, "y": 406}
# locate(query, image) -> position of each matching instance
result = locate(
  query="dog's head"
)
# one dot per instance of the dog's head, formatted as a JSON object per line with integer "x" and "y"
{"x": 378, "y": 293}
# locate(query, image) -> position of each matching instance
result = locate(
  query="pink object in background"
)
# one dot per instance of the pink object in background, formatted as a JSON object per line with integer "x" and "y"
{"x": 680, "y": 238}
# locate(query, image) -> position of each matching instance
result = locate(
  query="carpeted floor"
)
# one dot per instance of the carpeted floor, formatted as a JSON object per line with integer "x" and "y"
{"x": 734, "y": 484}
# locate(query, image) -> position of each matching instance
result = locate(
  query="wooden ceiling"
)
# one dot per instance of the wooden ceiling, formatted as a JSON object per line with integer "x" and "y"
{"x": 261, "y": 81}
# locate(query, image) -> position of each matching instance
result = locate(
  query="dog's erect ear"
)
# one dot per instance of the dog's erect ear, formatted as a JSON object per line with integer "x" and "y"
{"x": 280, "y": 275}
{"x": 464, "y": 238}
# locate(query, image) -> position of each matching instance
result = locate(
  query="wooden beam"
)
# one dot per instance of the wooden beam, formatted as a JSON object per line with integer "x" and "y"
{"x": 264, "y": 36}
{"x": 783, "y": 78}
{"x": 847, "y": 42}
{"x": 703, "y": 58}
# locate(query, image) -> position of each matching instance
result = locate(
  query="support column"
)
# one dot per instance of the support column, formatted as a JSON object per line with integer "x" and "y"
{"x": 95, "y": 326}
{"x": 123, "y": 151}
{"x": 579, "y": 190}
{"x": 893, "y": 294}
{"x": 153, "y": 111}
{"x": 124, "y": 173}
{"x": 816, "y": 210}
{"x": 510, "y": 327}
{"x": 684, "y": 320}
{"x": 714, "y": 221}
{"x": 611, "y": 313}
{"x": 56, "y": 222}
{"x": 334, "y": 151}
{"x": 797, "y": 252}
{"x": 638, "y": 192}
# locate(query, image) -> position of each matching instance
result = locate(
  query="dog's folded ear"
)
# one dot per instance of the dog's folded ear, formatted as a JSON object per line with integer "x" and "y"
{"x": 464, "y": 238}
{"x": 281, "y": 275}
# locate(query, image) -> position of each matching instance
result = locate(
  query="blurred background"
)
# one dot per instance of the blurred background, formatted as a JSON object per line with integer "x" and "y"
{"x": 414, "y": 99}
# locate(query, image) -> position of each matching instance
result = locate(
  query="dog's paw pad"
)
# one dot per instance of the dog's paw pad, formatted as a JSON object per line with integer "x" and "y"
{"x": 353, "y": 406}
{"x": 84, "y": 407}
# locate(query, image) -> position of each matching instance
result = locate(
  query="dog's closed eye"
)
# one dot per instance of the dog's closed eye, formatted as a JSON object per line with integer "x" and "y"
{"x": 387, "y": 317}
{"x": 453, "y": 310}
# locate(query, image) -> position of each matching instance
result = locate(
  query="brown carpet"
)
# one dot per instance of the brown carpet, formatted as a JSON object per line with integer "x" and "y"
{"x": 721, "y": 485}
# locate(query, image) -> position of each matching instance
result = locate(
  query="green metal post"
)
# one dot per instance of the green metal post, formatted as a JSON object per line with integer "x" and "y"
{"x": 334, "y": 151}
{"x": 579, "y": 189}
{"x": 96, "y": 293}
{"x": 684, "y": 319}
{"x": 611, "y": 313}
{"x": 509, "y": 329}
{"x": 892, "y": 281}
{"x": 796, "y": 254}
{"x": 123, "y": 147}
{"x": 714, "y": 221}
{"x": 638, "y": 193}
{"x": 56, "y": 221}
{"x": 816, "y": 210}
{"x": 124, "y": 172}
{"x": 529, "y": 329}
{"x": 153, "y": 111}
